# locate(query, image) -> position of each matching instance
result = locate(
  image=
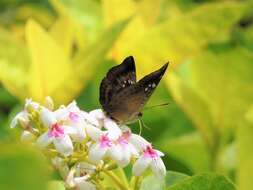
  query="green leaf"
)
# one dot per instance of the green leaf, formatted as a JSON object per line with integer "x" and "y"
{"x": 18, "y": 166}
{"x": 215, "y": 89}
{"x": 56, "y": 185}
{"x": 174, "y": 177}
{"x": 204, "y": 182}
{"x": 88, "y": 13}
{"x": 197, "y": 159}
{"x": 245, "y": 152}
{"x": 152, "y": 183}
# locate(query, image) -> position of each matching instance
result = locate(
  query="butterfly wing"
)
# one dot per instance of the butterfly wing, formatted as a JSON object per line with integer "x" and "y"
{"x": 128, "y": 102}
{"x": 116, "y": 79}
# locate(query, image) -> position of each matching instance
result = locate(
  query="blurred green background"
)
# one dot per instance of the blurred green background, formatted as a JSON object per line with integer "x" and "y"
{"x": 63, "y": 48}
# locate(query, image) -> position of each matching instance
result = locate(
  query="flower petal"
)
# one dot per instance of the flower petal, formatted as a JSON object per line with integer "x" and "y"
{"x": 133, "y": 150}
{"x": 82, "y": 184}
{"x": 23, "y": 115}
{"x": 84, "y": 167}
{"x": 44, "y": 140}
{"x": 113, "y": 130}
{"x": 27, "y": 136}
{"x": 72, "y": 107}
{"x": 158, "y": 168}
{"x": 139, "y": 142}
{"x": 126, "y": 155}
{"x": 96, "y": 153}
{"x": 93, "y": 132}
{"x": 47, "y": 117}
{"x": 61, "y": 113}
{"x": 32, "y": 104}
{"x": 69, "y": 129}
{"x": 114, "y": 152}
{"x": 159, "y": 153}
{"x": 89, "y": 118}
{"x": 140, "y": 165}
{"x": 77, "y": 131}
{"x": 63, "y": 145}
{"x": 99, "y": 115}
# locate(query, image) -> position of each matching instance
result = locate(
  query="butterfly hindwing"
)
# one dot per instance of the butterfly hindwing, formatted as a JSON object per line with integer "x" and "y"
{"x": 117, "y": 78}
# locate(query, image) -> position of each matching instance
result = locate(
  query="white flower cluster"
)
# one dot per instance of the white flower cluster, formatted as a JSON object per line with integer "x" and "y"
{"x": 90, "y": 138}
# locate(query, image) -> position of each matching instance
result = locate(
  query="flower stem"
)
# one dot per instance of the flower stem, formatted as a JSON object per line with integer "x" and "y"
{"x": 116, "y": 180}
{"x": 135, "y": 182}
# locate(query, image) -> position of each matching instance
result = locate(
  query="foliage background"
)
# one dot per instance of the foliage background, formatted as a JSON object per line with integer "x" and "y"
{"x": 63, "y": 48}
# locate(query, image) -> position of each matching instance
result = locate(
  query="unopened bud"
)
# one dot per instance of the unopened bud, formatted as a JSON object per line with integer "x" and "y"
{"x": 27, "y": 136}
{"x": 23, "y": 122}
{"x": 49, "y": 103}
{"x": 69, "y": 182}
{"x": 111, "y": 166}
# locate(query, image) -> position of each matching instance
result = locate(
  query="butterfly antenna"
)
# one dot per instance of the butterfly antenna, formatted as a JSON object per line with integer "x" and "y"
{"x": 158, "y": 105}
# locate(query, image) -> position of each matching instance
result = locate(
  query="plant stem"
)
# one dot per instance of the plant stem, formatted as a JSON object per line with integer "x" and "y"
{"x": 116, "y": 180}
{"x": 135, "y": 182}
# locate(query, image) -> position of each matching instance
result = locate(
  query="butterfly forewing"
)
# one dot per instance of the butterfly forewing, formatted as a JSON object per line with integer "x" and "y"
{"x": 123, "y": 101}
{"x": 117, "y": 78}
{"x": 129, "y": 102}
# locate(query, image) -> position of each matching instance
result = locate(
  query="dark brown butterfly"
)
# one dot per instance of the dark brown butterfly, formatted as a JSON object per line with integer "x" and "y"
{"x": 121, "y": 96}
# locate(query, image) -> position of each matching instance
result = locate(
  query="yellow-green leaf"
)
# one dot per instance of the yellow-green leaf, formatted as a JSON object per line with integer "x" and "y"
{"x": 63, "y": 33}
{"x": 50, "y": 66}
{"x": 180, "y": 36}
{"x": 208, "y": 181}
{"x": 197, "y": 159}
{"x": 22, "y": 168}
{"x": 245, "y": 153}
{"x": 86, "y": 61}
{"x": 14, "y": 61}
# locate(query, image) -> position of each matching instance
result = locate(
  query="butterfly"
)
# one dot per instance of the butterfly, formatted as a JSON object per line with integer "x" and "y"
{"x": 121, "y": 96}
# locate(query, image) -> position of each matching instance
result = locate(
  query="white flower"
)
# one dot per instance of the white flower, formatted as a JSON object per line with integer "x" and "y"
{"x": 127, "y": 150}
{"x": 72, "y": 116}
{"x": 23, "y": 115}
{"x": 79, "y": 182}
{"x": 103, "y": 146}
{"x": 150, "y": 158}
{"x": 103, "y": 121}
{"x": 56, "y": 134}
